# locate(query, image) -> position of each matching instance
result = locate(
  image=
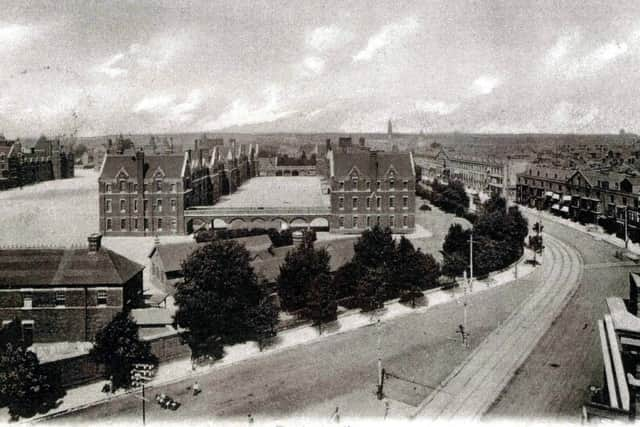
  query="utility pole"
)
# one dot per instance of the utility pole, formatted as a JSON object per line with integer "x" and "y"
{"x": 379, "y": 391}
{"x": 626, "y": 227}
{"x": 471, "y": 259}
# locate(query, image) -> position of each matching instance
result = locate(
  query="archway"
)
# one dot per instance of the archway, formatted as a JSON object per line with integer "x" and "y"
{"x": 320, "y": 223}
{"x": 299, "y": 223}
{"x": 237, "y": 223}
{"x": 258, "y": 223}
{"x": 219, "y": 223}
{"x": 295, "y": 173}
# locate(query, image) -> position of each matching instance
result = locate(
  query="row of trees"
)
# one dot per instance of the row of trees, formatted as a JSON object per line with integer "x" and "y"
{"x": 380, "y": 270}
{"x": 451, "y": 198}
{"x": 498, "y": 234}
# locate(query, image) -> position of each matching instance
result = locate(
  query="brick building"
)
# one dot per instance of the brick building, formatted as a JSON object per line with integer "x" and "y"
{"x": 485, "y": 174}
{"x": 66, "y": 294}
{"x": 145, "y": 195}
{"x": 371, "y": 187}
{"x": 543, "y": 187}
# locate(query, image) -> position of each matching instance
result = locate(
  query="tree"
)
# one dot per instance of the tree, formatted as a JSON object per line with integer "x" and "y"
{"x": 321, "y": 296}
{"x": 375, "y": 247}
{"x": 264, "y": 321}
{"x": 414, "y": 271}
{"x": 301, "y": 267}
{"x": 346, "y": 279}
{"x": 79, "y": 150}
{"x": 118, "y": 347}
{"x": 25, "y": 386}
{"x": 372, "y": 289}
{"x": 217, "y": 298}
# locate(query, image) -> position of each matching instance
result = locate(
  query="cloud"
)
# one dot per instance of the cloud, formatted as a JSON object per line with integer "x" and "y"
{"x": 241, "y": 112}
{"x": 563, "y": 46}
{"x": 389, "y": 35}
{"x": 437, "y": 107}
{"x": 183, "y": 112}
{"x": 108, "y": 66}
{"x": 155, "y": 103}
{"x": 314, "y": 64}
{"x": 596, "y": 60}
{"x": 484, "y": 85}
{"x": 328, "y": 38}
{"x": 570, "y": 117}
{"x": 14, "y": 35}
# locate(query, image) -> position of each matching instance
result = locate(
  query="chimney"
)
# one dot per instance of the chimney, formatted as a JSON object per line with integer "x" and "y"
{"x": 362, "y": 141}
{"x": 140, "y": 170}
{"x": 298, "y": 238}
{"x": 328, "y": 145}
{"x": 95, "y": 241}
{"x": 373, "y": 163}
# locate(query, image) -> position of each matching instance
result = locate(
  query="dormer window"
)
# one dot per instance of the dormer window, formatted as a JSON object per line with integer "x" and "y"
{"x": 158, "y": 185}
{"x": 123, "y": 186}
{"x": 341, "y": 186}
{"x": 354, "y": 182}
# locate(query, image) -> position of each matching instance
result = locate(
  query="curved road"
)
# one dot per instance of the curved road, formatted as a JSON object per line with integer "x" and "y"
{"x": 472, "y": 387}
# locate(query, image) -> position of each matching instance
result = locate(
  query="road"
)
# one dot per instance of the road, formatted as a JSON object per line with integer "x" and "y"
{"x": 311, "y": 380}
{"x": 471, "y": 389}
{"x": 553, "y": 381}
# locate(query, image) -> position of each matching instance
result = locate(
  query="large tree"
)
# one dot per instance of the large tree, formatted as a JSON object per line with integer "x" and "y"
{"x": 118, "y": 347}
{"x": 219, "y": 293}
{"x": 414, "y": 271}
{"x": 321, "y": 297}
{"x": 300, "y": 269}
{"x": 263, "y": 319}
{"x": 372, "y": 289}
{"x": 26, "y": 387}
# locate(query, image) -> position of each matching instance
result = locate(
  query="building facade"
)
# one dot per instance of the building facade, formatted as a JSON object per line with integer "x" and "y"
{"x": 483, "y": 174}
{"x": 66, "y": 294}
{"x": 369, "y": 188}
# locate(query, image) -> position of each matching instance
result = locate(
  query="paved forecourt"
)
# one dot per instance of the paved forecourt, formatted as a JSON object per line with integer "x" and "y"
{"x": 471, "y": 389}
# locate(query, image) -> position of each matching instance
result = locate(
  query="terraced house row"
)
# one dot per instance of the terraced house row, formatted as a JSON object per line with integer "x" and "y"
{"x": 588, "y": 196}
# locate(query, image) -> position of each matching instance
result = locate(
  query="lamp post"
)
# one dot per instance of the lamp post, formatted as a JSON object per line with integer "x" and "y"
{"x": 379, "y": 392}
{"x": 626, "y": 227}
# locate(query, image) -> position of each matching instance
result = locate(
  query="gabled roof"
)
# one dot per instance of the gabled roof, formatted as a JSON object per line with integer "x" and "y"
{"x": 64, "y": 267}
{"x": 343, "y": 163}
{"x": 172, "y": 165}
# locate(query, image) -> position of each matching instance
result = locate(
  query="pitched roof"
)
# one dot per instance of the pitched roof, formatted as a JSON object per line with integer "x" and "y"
{"x": 64, "y": 267}
{"x": 170, "y": 164}
{"x": 343, "y": 163}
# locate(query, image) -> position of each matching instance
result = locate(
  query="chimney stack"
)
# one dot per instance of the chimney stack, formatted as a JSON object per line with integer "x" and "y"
{"x": 95, "y": 241}
{"x": 140, "y": 170}
{"x": 373, "y": 163}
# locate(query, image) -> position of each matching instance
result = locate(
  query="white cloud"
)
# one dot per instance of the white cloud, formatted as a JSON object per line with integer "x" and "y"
{"x": 387, "y": 36}
{"x": 154, "y": 103}
{"x": 108, "y": 66}
{"x": 314, "y": 64}
{"x": 13, "y": 35}
{"x": 183, "y": 112}
{"x": 158, "y": 51}
{"x": 484, "y": 85}
{"x": 595, "y": 61}
{"x": 328, "y": 37}
{"x": 437, "y": 107}
{"x": 569, "y": 117}
{"x": 242, "y": 112}
{"x": 562, "y": 47}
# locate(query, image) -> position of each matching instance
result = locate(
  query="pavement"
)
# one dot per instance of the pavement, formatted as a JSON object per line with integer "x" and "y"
{"x": 179, "y": 370}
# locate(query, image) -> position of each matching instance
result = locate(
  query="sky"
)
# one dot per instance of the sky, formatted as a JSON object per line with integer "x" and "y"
{"x": 91, "y": 68}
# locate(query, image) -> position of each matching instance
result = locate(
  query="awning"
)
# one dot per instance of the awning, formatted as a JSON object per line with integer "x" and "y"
{"x": 566, "y": 198}
{"x": 549, "y": 193}
{"x": 556, "y": 196}
{"x": 555, "y": 207}
{"x": 564, "y": 209}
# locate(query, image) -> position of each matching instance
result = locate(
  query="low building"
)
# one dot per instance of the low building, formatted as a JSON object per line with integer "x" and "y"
{"x": 66, "y": 294}
{"x": 369, "y": 188}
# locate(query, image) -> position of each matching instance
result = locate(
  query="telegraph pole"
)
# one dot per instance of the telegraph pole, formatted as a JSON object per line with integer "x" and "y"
{"x": 379, "y": 391}
{"x": 471, "y": 259}
{"x": 626, "y": 227}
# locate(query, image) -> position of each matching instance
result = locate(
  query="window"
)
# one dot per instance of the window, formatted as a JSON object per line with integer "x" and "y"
{"x": 135, "y": 205}
{"x": 107, "y": 205}
{"x": 145, "y": 205}
{"x": 60, "y": 298}
{"x": 123, "y": 205}
{"x": 135, "y": 224}
{"x": 391, "y": 184}
{"x": 173, "y": 188}
{"x": 378, "y": 202}
{"x": 146, "y": 188}
{"x": 354, "y": 222}
{"x": 102, "y": 297}
{"x": 27, "y": 300}
{"x": 159, "y": 224}
{"x": 378, "y": 220}
{"x": 123, "y": 186}
{"x": 354, "y": 203}
{"x": 109, "y": 226}
{"x": 368, "y": 185}
{"x": 341, "y": 202}
{"x": 368, "y": 201}
{"x": 173, "y": 205}
{"x": 405, "y": 202}
{"x": 341, "y": 222}
{"x": 27, "y": 332}
{"x": 611, "y": 198}
{"x": 146, "y": 224}
{"x": 108, "y": 189}
{"x": 405, "y": 184}
{"x": 354, "y": 182}
{"x": 135, "y": 188}
{"x": 378, "y": 185}
{"x": 391, "y": 202}
{"x": 624, "y": 201}
{"x": 123, "y": 224}
{"x": 158, "y": 185}
{"x": 341, "y": 185}
{"x": 368, "y": 221}
{"x": 174, "y": 224}
{"x": 405, "y": 221}
{"x": 159, "y": 205}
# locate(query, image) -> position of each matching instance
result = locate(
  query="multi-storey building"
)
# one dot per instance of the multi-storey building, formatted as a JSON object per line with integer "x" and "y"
{"x": 371, "y": 187}
{"x": 144, "y": 195}
{"x": 47, "y": 160}
{"x": 483, "y": 174}
{"x": 543, "y": 187}
{"x": 433, "y": 163}
{"x": 66, "y": 294}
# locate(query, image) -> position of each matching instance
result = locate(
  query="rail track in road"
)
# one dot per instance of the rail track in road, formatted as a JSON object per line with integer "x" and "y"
{"x": 471, "y": 388}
